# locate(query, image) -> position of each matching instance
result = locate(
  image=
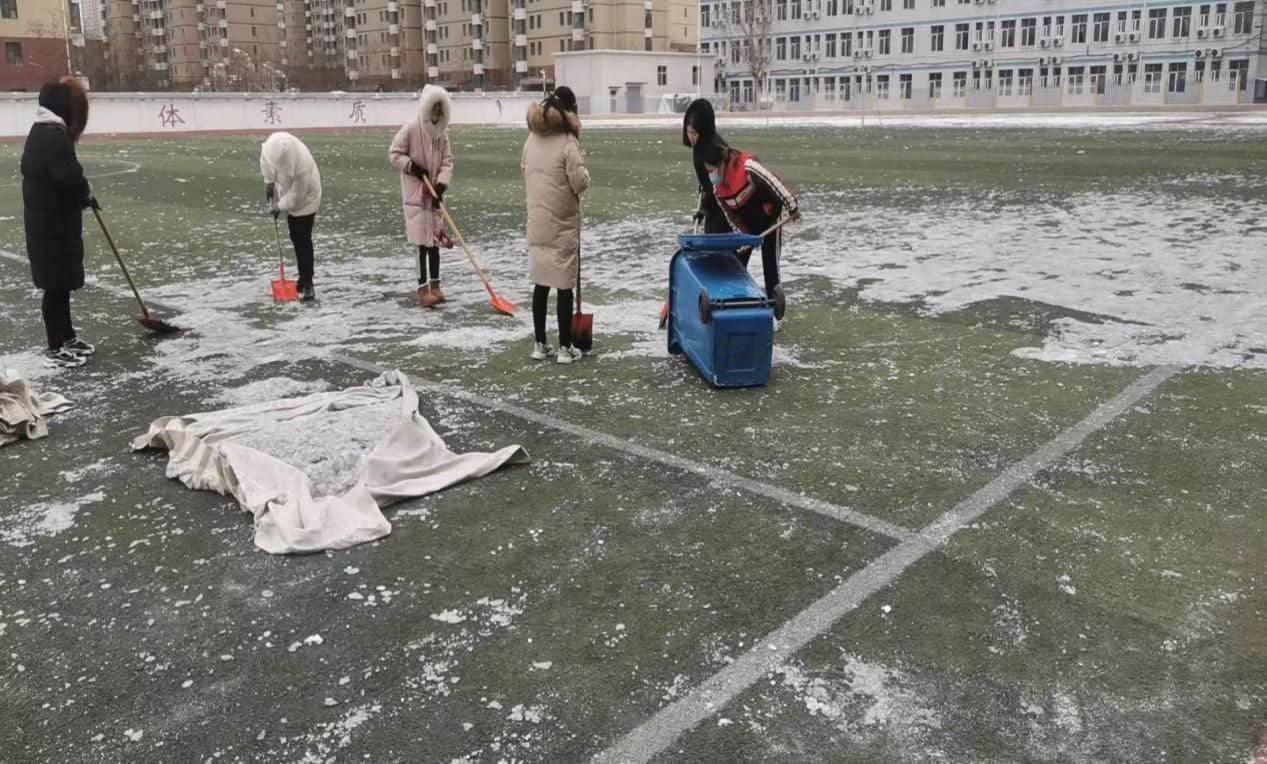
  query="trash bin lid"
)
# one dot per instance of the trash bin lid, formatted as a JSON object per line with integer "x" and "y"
{"x": 717, "y": 242}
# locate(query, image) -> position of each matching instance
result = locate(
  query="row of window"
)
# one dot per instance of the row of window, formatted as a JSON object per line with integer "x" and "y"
{"x": 1076, "y": 80}
{"x": 794, "y": 10}
{"x": 982, "y": 34}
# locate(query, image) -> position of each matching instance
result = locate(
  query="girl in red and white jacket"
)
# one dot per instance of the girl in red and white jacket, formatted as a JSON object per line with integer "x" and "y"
{"x": 753, "y": 198}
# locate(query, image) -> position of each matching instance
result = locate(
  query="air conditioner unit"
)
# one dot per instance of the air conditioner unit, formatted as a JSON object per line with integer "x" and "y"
{"x": 1217, "y": 31}
{"x": 1119, "y": 37}
{"x": 1132, "y": 56}
{"x": 1200, "y": 33}
{"x": 1055, "y": 59}
{"x": 805, "y": 57}
{"x": 1199, "y": 53}
{"x": 976, "y": 46}
{"x": 857, "y": 53}
{"x": 813, "y": 57}
{"x": 1056, "y": 42}
{"x": 816, "y": 14}
{"x": 870, "y": 9}
{"x": 976, "y": 64}
{"x": 867, "y": 53}
{"x": 989, "y": 45}
{"x": 1044, "y": 42}
{"x": 1134, "y": 37}
{"x": 988, "y": 63}
{"x": 1042, "y": 61}
{"x": 1117, "y": 58}
{"x": 866, "y": 70}
{"x": 1216, "y": 53}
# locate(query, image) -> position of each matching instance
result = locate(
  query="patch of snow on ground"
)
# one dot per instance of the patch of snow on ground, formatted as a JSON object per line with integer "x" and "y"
{"x": 21, "y": 528}
{"x": 270, "y": 389}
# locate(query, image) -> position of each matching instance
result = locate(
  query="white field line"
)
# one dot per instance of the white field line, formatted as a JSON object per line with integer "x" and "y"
{"x": 713, "y": 474}
{"x": 95, "y": 283}
{"x": 135, "y": 167}
{"x": 768, "y": 654}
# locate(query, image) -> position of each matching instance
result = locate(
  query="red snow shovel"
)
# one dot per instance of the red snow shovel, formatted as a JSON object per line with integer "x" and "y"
{"x": 582, "y": 323}
{"x": 284, "y": 289}
{"x": 149, "y": 321}
{"x": 499, "y": 303}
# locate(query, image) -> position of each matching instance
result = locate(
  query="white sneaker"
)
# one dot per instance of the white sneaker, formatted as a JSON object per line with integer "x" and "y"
{"x": 778, "y": 324}
{"x": 569, "y": 354}
{"x": 542, "y": 351}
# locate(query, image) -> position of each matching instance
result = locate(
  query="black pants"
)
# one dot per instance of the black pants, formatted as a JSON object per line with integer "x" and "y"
{"x": 540, "y": 297}
{"x": 56, "y": 309}
{"x": 301, "y": 236}
{"x": 770, "y": 247}
{"x": 428, "y": 265}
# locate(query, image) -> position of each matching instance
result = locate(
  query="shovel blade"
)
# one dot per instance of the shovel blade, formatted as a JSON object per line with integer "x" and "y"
{"x": 583, "y": 331}
{"x": 285, "y": 290}
{"x": 502, "y": 305}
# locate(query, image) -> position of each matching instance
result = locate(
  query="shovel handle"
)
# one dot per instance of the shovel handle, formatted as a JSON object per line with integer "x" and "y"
{"x": 776, "y": 226}
{"x": 110, "y": 240}
{"x": 479, "y": 270}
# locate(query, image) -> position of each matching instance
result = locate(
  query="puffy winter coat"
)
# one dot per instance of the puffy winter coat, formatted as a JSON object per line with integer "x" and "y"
{"x": 425, "y": 144}
{"x": 751, "y": 195}
{"x": 54, "y": 194}
{"x": 286, "y": 162}
{"x": 554, "y": 178}
{"x": 700, "y": 116}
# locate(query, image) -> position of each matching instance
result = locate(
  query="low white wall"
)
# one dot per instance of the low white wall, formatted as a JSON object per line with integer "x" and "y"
{"x": 158, "y": 113}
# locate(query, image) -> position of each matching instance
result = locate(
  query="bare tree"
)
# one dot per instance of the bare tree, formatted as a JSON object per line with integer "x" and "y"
{"x": 750, "y": 25}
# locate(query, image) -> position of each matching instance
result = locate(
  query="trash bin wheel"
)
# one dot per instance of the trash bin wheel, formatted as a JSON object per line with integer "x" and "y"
{"x": 705, "y": 307}
{"x": 780, "y": 302}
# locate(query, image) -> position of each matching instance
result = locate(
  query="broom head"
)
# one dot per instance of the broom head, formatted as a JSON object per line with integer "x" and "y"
{"x": 157, "y": 325}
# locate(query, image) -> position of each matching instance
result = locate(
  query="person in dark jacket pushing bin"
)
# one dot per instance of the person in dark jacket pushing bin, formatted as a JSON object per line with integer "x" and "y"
{"x": 753, "y": 198}
{"x": 699, "y": 130}
{"x": 54, "y": 195}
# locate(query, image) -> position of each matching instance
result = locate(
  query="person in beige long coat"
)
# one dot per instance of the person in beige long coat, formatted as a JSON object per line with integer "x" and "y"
{"x": 422, "y": 153}
{"x": 554, "y": 177}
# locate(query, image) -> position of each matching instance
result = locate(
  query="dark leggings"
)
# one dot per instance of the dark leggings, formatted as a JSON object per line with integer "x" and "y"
{"x": 770, "y": 247}
{"x": 301, "y": 236}
{"x": 540, "y": 296}
{"x": 428, "y": 265}
{"x": 56, "y": 309}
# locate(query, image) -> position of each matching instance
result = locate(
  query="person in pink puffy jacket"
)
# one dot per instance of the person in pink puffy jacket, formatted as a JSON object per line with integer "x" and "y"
{"x": 422, "y": 153}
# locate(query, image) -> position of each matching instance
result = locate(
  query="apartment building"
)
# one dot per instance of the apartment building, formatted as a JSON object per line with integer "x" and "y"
{"x": 902, "y": 54}
{"x": 35, "y": 45}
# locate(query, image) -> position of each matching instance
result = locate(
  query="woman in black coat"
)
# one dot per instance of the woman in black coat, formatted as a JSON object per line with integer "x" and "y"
{"x": 699, "y": 129}
{"x": 54, "y": 195}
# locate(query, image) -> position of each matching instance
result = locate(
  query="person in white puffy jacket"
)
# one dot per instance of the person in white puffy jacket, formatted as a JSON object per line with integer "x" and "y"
{"x": 292, "y": 184}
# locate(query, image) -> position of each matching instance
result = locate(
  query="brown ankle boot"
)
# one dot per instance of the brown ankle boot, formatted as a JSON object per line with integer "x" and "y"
{"x": 426, "y": 297}
{"x": 438, "y": 292}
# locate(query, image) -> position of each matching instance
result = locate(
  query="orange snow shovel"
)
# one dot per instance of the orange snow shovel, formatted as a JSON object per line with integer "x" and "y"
{"x": 582, "y": 323}
{"x": 284, "y": 289}
{"x": 499, "y": 303}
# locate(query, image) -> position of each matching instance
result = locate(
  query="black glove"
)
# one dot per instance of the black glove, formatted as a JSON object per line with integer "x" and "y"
{"x": 418, "y": 172}
{"x": 276, "y": 213}
{"x": 440, "y": 189}
{"x": 268, "y": 192}
{"x": 698, "y": 217}
{"x": 92, "y": 203}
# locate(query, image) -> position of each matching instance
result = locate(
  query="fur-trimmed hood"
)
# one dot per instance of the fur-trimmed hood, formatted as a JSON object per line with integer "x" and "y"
{"x": 431, "y": 95}
{"x": 552, "y": 121}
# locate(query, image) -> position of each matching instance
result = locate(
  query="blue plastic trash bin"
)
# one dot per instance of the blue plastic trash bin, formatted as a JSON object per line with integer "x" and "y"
{"x": 718, "y": 317}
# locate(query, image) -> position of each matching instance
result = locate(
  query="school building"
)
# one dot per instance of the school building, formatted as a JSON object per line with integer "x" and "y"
{"x": 982, "y": 54}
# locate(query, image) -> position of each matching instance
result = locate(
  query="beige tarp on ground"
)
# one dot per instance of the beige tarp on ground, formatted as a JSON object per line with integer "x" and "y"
{"x": 23, "y": 412}
{"x": 207, "y": 452}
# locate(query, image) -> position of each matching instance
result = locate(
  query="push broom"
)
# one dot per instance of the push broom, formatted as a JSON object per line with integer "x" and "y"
{"x": 499, "y": 303}
{"x": 148, "y": 320}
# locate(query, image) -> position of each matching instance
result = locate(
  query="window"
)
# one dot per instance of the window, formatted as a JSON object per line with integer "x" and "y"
{"x": 833, "y": 9}
{"x": 1100, "y": 30}
{"x": 780, "y": 10}
{"x": 563, "y": 47}
{"x": 1075, "y": 80}
{"x": 1024, "y": 82}
{"x": 646, "y": 44}
{"x": 747, "y": 91}
{"x": 908, "y": 5}
{"x": 1007, "y": 38}
{"x": 961, "y": 36}
{"x": 9, "y": 10}
{"x": 780, "y": 49}
{"x": 1156, "y": 25}
{"x": 939, "y": 4}
{"x": 882, "y": 87}
{"x": 829, "y": 89}
{"x": 1198, "y": 71}
{"x": 662, "y": 75}
{"x": 253, "y": 31}
{"x": 908, "y": 40}
{"x": 886, "y": 5}
{"x": 1005, "y": 82}
{"x": 1096, "y": 80}
{"x": 960, "y": 84}
{"x": 904, "y": 87}
{"x": 1242, "y": 18}
{"x": 830, "y": 50}
{"x": 1079, "y": 30}
{"x": 1177, "y": 81}
{"x": 1152, "y": 78}
{"x": 885, "y": 35}
{"x": 695, "y": 75}
{"x": 846, "y": 45}
{"x": 1182, "y": 24}
{"x": 1203, "y": 16}
{"x": 795, "y": 50}
{"x": 1220, "y": 14}
{"x": 796, "y": 9}
{"x": 845, "y": 89}
{"x": 705, "y": 15}
{"x": 780, "y": 90}
{"x": 561, "y": 21}
{"x": 1239, "y": 72}
{"x": 1135, "y": 20}
{"x": 13, "y": 52}
{"x": 1029, "y": 32}
{"x": 794, "y": 90}
{"x": 1121, "y": 22}
{"x": 934, "y": 85}
{"x": 936, "y": 37}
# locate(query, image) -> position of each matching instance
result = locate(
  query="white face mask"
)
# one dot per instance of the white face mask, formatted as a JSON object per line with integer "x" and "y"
{"x": 714, "y": 177}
